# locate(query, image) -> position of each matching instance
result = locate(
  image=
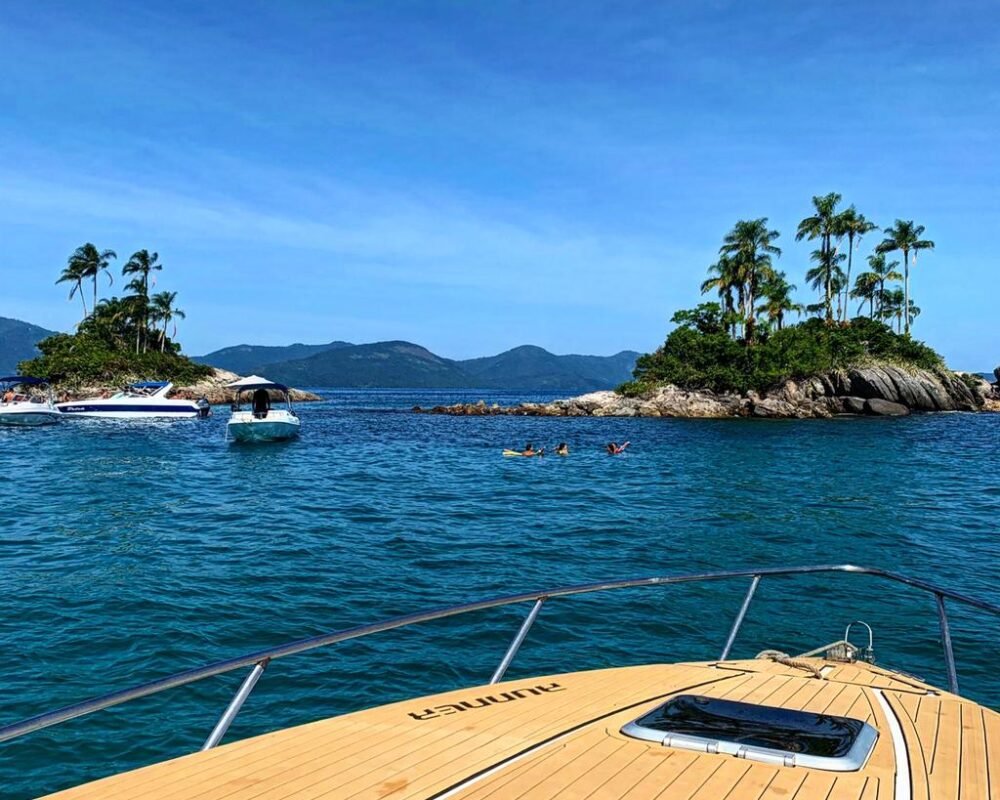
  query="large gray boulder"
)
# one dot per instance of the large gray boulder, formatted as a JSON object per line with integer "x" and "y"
{"x": 854, "y": 405}
{"x": 885, "y": 408}
{"x": 918, "y": 390}
{"x": 871, "y": 382}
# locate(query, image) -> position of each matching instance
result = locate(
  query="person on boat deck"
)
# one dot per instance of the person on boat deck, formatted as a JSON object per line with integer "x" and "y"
{"x": 8, "y": 396}
{"x": 562, "y": 449}
{"x": 261, "y": 403}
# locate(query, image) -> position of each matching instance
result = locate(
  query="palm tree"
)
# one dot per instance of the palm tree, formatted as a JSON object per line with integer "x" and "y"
{"x": 905, "y": 236}
{"x": 73, "y": 273}
{"x": 825, "y": 275}
{"x": 111, "y": 317}
{"x": 866, "y": 289}
{"x": 162, "y": 306}
{"x": 750, "y": 244}
{"x": 882, "y": 272}
{"x": 778, "y": 300}
{"x": 140, "y": 264}
{"x": 725, "y": 283}
{"x": 891, "y": 307}
{"x": 852, "y": 225}
{"x": 90, "y": 262}
{"x": 822, "y": 225}
{"x": 817, "y": 310}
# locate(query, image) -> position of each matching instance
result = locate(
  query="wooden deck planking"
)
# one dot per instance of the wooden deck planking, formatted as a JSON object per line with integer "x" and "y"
{"x": 945, "y": 762}
{"x": 991, "y": 730}
{"x": 469, "y": 750}
{"x": 321, "y": 735}
{"x": 919, "y": 786}
{"x": 542, "y": 781}
{"x": 973, "y": 780}
{"x": 950, "y": 739}
{"x": 785, "y": 784}
{"x": 953, "y": 746}
{"x": 432, "y": 771}
{"x": 754, "y": 784}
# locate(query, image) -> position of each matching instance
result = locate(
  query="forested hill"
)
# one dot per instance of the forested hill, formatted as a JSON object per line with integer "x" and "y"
{"x": 399, "y": 364}
{"x": 17, "y": 343}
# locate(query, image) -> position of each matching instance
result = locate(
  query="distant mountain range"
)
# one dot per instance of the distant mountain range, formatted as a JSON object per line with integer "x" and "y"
{"x": 398, "y": 364}
{"x": 243, "y": 359}
{"x": 17, "y": 343}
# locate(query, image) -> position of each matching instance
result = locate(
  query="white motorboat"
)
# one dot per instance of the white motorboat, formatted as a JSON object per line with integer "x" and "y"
{"x": 144, "y": 400}
{"x": 261, "y": 422}
{"x": 26, "y": 401}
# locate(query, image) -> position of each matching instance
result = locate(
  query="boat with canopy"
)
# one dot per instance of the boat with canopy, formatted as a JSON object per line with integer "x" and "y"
{"x": 261, "y": 422}
{"x": 26, "y": 401}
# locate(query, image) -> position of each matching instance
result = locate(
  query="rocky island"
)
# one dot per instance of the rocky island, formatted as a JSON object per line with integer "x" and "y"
{"x": 739, "y": 358}
{"x": 869, "y": 391}
{"x": 213, "y": 388}
{"x": 123, "y": 340}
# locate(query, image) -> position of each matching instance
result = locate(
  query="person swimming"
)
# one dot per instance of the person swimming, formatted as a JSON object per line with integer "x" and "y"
{"x": 562, "y": 449}
{"x": 531, "y": 451}
{"x": 615, "y": 449}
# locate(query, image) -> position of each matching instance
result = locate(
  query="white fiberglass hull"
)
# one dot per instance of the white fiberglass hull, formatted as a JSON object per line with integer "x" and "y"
{"x": 276, "y": 426}
{"x": 162, "y": 409}
{"x": 28, "y": 415}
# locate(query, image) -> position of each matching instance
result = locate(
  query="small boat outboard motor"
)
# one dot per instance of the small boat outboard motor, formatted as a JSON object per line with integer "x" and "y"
{"x": 204, "y": 408}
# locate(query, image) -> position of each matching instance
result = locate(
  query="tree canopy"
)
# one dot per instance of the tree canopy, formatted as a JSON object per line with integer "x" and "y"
{"x": 744, "y": 340}
{"x": 120, "y": 339}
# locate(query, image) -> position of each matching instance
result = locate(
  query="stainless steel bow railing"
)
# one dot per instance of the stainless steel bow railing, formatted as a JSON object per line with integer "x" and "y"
{"x": 258, "y": 661}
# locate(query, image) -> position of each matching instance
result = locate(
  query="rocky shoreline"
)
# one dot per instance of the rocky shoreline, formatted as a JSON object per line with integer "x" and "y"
{"x": 212, "y": 388}
{"x": 883, "y": 390}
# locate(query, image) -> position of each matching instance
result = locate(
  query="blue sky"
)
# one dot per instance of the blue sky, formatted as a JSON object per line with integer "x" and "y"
{"x": 473, "y": 176}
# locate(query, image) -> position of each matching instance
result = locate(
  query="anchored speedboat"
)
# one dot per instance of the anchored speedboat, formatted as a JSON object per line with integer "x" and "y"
{"x": 143, "y": 400}
{"x": 261, "y": 422}
{"x": 26, "y": 401}
{"x": 824, "y": 725}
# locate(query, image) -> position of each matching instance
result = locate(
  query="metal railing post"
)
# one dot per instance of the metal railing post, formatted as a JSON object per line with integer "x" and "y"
{"x": 949, "y": 652}
{"x": 515, "y": 645}
{"x": 738, "y": 622}
{"x": 235, "y": 705}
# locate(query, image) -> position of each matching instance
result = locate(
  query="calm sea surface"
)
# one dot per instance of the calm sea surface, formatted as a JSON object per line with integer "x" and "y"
{"x": 131, "y": 551}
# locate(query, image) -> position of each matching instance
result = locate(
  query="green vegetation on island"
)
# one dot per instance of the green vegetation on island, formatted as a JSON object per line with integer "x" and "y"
{"x": 743, "y": 341}
{"x": 119, "y": 339}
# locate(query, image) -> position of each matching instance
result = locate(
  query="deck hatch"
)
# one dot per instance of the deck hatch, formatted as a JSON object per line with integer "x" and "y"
{"x": 757, "y": 732}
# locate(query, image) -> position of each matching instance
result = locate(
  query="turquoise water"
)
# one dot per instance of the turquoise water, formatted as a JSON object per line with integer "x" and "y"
{"x": 131, "y": 551}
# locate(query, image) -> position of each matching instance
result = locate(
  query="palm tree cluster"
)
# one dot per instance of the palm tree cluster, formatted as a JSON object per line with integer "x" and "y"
{"x": 138, "y": 320}
{"x": 753, "y": 293}
{"x": 746, "y": 281}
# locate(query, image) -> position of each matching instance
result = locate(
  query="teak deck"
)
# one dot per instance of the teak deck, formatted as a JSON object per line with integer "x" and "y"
{"x": 558, "y": 737}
